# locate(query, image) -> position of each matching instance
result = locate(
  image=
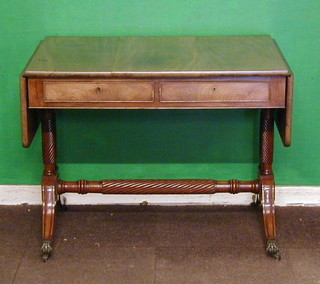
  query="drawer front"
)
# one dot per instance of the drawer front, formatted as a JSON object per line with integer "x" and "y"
{"x": 111, "y": 91}
{"x": 215, "y": 92}
{"x": 224, "y": 92}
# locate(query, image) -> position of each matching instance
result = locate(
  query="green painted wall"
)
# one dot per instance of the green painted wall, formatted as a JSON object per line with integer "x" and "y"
{"x": 161, "y": 144}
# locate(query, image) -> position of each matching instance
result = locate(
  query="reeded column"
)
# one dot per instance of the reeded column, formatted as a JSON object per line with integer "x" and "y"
{"x": 49, "y": 181}
{"x": 267, "y": 180}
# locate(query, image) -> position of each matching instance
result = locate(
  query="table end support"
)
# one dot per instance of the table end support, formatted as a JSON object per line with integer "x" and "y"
{"x": 267, "y": 190}
{"x": 49, "y": 182}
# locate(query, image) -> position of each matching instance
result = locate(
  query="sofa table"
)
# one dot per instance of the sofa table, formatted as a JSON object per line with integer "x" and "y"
{"x": 217, "y": 72}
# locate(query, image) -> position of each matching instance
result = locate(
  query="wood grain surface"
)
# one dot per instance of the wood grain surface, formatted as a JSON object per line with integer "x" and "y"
{"x": 149, "y": 61}
{"x": 150, "y": 73}
{"x": 29, "y": 117}
{"x": 151, "y": 56}
{"x": 98, "y": 91}
{"x": 215, "y": 93}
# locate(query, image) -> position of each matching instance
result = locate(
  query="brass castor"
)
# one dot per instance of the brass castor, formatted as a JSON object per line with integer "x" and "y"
{"x": 273, "y": 250}
{"x": 46, "y": 250}
{"x": 256, "y": 202}
{"x": 62, "y": 204}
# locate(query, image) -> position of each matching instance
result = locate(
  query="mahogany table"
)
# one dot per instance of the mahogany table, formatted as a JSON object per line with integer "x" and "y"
{"x": 226, "y": 72}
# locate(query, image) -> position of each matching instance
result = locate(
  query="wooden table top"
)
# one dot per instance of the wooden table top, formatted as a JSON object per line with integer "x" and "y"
{"x": 157, "y": 56}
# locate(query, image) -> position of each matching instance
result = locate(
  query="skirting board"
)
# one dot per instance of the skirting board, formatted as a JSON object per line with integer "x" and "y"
{"x": 285, "y": 196}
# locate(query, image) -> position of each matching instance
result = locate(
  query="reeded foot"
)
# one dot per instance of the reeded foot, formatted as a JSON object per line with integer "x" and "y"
{"x": 273, "y": 250}
{"x": 46, "y": 250}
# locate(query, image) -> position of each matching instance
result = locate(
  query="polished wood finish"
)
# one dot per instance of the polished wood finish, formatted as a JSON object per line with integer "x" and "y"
{"x": 284, "y": 116}
{"x": 114, "y": 57}
{"x": 49, "y": 180}
{"x": 215, "y": 93}
{"x": 99, "y": 91}
{"x": 237, "y": 92}
{"x": 157, "y": 58}
{"x": 157, "y": 73}
{"x": 265, "y": 170}
{"x": 267, "y": 179}
{"x": 29, "y": 117}
{"x": 163, "y": 186}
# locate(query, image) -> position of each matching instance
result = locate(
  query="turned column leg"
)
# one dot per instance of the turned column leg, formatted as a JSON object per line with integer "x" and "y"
{"x": 49, "y": 181}
{"x": 267, "y": 194}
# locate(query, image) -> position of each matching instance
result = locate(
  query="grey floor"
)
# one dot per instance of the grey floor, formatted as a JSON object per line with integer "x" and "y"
{"x": 128, "y": 244}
